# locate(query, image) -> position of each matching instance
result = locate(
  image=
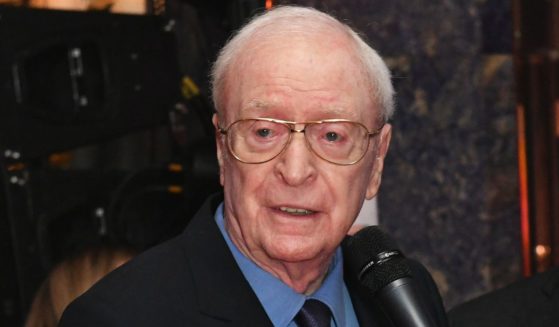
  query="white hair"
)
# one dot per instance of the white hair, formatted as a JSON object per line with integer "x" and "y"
{"x": 287, "y": 19}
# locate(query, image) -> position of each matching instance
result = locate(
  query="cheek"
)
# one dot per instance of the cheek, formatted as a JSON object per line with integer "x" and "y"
{"x": 243, "y": 184}
{"x": 241, "y": 176}
{"x": 349, "y": 189}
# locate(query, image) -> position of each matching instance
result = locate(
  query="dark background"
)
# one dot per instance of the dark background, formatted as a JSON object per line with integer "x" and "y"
{"x": 450, "y": 187}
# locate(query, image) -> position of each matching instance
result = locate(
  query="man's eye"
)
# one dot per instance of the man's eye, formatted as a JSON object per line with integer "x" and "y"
{"x": 332, "y": 137}
{"x": 264, "y": 132}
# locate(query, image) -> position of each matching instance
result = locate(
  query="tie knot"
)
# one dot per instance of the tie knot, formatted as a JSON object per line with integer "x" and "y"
{"x": 314, "y": 313}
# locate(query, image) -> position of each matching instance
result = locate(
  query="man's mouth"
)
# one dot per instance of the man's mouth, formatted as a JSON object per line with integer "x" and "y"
{"x": 296, "y": 211}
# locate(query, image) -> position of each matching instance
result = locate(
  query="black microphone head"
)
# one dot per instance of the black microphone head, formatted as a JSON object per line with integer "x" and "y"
{"x": 374, "y": 258}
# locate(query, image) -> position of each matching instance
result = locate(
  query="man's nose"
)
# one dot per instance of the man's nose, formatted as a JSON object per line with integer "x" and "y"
{"x": 296, "y": 164}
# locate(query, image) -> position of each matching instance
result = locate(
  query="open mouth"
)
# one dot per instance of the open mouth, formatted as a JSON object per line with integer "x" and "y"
{"x": 296, "y": 211}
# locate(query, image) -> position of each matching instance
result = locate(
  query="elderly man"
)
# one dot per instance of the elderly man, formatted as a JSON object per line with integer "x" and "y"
{"x": 302, "y": 104}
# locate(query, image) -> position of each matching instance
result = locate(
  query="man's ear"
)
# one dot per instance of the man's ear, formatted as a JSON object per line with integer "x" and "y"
{"x": 376, "y": 176}
{"x": 219, "y": 146}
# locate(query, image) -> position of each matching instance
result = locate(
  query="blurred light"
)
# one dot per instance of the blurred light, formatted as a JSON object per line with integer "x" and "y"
{"x": 542, "y": 251}
{"x": 269, "y": 4}
{"x": 557, "y": 118}
{"x": 174, "y": 189}
{"x": 61, "y": 160}
{"x": 523, "y": 190}
{"x": 16, "y": 167}
{"x": 175, "y": 167}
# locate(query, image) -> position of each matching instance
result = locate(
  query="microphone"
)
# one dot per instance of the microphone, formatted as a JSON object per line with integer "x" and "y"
{"x": 381, "y": 268}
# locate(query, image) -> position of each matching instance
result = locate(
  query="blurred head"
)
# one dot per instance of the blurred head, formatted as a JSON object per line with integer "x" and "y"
{"x": 70, "y": 279}
{"x": 298, "y": 65}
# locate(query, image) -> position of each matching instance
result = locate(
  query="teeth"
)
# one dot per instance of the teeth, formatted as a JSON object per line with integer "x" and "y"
{"x": 295, "y": 211}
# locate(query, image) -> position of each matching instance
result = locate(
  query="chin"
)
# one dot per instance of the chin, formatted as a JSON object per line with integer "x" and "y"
{"x": 296, "y": 252}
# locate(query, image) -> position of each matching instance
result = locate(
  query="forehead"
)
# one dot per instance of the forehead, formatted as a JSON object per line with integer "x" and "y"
{"x": 299, "y": 77}
{"x": 294, "y": 105}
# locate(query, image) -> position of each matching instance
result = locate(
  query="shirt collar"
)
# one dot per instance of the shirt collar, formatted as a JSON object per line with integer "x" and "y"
{"x": 281, "y": 302}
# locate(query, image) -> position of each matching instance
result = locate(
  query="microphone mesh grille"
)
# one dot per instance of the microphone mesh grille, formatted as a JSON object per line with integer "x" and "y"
{"x": 364, "y": 247}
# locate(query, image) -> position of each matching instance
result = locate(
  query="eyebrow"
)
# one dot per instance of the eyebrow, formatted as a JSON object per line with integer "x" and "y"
{"x": 258, "y": 104}
{"x": 334, "y": 111}
{"x": 337, "y": 110}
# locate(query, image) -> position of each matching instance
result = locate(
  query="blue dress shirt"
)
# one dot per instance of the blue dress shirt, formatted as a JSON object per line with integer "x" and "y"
{"x": 281, "y": 302}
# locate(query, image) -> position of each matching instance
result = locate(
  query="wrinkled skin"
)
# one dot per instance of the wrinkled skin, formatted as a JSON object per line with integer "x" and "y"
{"x": 297, "y": 79}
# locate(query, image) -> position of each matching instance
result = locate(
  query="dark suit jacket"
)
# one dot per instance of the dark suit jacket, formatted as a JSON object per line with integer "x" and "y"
{"x": 531, "y": 302}
{"x": 193, "y": 280}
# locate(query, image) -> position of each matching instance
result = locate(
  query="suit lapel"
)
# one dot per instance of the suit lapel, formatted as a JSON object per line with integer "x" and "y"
{"x": 364, "y": 309}
{"x": 224, "y": 296}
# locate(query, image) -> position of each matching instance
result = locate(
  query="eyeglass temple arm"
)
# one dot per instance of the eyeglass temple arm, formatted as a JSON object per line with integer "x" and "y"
{"x": 375, "y": 132}
{"x": 221, "y": 130}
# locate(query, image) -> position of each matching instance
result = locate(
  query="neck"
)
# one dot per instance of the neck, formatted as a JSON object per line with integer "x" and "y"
{"x": 304, "y": 277}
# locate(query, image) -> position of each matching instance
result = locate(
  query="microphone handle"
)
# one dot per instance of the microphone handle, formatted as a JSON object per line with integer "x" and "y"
{"x": 401, "y": 303}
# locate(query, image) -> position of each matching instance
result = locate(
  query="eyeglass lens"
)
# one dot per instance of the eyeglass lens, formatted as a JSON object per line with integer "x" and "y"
{"x": 255, "y": 141}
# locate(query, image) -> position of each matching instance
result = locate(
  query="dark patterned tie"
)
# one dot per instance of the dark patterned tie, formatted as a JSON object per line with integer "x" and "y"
{"x": 313, "y": 314}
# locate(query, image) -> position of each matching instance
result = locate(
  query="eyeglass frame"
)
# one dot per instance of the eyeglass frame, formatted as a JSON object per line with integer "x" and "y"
{"x": 291, "y": 125}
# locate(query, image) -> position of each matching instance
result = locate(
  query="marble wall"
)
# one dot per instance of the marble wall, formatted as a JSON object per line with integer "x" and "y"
{"x": 450, "y": 188}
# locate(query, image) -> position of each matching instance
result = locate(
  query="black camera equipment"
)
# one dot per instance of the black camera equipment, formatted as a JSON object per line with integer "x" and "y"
{"x": 69, "y": 80}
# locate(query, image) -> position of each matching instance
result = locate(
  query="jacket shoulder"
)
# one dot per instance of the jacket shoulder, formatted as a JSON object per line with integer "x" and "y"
{"x": 133, "y": 292}
{"x": 529, "y": 302}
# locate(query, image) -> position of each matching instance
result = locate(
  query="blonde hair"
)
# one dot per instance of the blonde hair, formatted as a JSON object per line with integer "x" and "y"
{"x": 70, "y": 279}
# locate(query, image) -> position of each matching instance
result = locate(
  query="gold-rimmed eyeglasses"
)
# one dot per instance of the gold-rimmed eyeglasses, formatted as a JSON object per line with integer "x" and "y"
{"x": 258, "y": 140}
